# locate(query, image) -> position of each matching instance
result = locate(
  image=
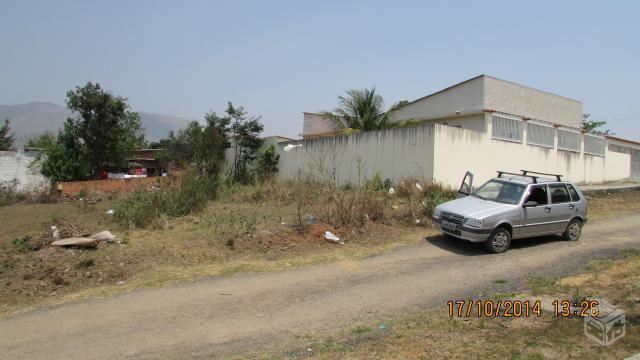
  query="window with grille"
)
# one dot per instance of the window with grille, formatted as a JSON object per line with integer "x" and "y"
{"x": 594, "y": 145}
{"x": 568, "y": 140}
{"x": 540, "y": 135}
{"x": 506, "y": 129}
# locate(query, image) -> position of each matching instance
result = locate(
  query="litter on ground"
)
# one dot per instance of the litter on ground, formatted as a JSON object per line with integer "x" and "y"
{"x": 331, "y": 237}
{"x": 104, "y": 235}
{"x": 82, "y": 242}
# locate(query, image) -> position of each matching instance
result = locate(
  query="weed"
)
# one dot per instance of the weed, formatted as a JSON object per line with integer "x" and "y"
{"x": 541, "y": 285}
{"x": 141, "y": 208}
{"x": 11, "y": 194}
{"x": 359, "y": 330}
{"x": 22, "y": 243}
{"x": 85, "y": 263}
{"x": 59, "y": 280}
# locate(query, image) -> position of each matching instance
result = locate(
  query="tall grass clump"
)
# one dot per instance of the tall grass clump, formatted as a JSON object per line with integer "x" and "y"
{"x": 11, "y": 194}
{"x": 142, "y": 207}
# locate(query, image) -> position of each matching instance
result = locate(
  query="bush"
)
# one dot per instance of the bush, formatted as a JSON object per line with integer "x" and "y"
{"x": 10, "y": 194}
{"x": 141, "y": 208}
{"x": 267, "y": 162}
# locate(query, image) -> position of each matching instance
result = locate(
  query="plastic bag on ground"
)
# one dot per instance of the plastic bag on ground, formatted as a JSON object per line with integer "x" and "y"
{"x": 331, "y": 237}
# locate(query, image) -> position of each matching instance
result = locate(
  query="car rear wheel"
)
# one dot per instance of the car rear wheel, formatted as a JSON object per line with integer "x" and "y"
{"x": 574, "y": 229}
{"x": 499, "y": 241}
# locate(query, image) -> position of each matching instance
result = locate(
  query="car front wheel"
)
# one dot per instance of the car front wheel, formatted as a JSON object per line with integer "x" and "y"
{"x": 574, "y": 229}
{"x": 499, "y": 241}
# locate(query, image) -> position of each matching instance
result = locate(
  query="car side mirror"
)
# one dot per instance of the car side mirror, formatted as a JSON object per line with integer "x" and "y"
{"x": 530, "y": 203}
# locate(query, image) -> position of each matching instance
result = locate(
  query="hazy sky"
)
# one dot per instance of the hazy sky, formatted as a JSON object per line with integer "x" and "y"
{"x": 280, "y": 58}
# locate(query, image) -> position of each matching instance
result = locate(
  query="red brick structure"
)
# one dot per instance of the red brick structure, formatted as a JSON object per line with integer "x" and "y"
{"x": 73, "y": 188}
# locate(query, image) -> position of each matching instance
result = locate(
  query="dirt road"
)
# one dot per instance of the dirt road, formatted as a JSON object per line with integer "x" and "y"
{"x": 216, "y": 317}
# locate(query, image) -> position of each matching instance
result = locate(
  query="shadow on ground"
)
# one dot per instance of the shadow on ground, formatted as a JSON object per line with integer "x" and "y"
{"x": 468, "y": 248}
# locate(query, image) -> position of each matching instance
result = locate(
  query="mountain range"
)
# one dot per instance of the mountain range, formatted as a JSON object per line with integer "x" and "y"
{"x": 37, "y": 117}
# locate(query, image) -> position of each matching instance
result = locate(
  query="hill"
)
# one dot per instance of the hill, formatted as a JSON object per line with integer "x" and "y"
{"x": 38, "y": 117}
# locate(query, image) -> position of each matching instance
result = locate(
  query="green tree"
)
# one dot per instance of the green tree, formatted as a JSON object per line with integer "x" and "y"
{"x": 45, "y": 141}
{"x": 198, "y": 145}
{"x": 214, "y": 139}
{"x": 592, "y": 126}
{"x": 267, "y": 162}
{"x": 6, "y": 137}
{"x": 66, "y": 159}
{"x": 360, "y": 110}
{"x": 105, "y": 126}
{"x": 245, "y": 132}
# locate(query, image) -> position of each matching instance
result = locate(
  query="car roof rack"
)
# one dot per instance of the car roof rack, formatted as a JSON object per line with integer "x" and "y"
{"x": 525, "y": 172}
{"x": 533, "y": 177}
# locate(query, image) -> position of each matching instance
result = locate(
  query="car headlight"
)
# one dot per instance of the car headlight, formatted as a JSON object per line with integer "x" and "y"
{"x": 436, "y": 213}
{"x": 473, "y": 222}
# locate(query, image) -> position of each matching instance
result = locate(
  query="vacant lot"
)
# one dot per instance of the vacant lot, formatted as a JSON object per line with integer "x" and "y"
{"x": 248, "y": 229}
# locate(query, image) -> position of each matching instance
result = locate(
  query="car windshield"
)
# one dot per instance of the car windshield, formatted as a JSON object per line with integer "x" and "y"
{"x": 500, "y": 191}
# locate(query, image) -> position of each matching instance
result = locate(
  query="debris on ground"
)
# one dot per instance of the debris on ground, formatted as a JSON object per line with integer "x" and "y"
{"x": 55, "y": 233}
{"x": 310, "y": 219}
{"x": 331, "y": 237}
{"x": 111, "y": 211}
{"x": 392, "y": 191}
{"x": 104, "y": 235}
{"x": 82, "y": 242}
{"x": 419, "y": 187}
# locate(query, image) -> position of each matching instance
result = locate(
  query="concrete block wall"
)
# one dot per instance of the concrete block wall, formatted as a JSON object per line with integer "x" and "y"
{"x": 442, "y": 153}
{"x": 23, "y": 167}
{"x": 394, "y": 153}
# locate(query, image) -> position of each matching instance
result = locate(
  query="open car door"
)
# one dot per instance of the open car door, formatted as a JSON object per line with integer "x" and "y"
{"x": 467, "y": 185}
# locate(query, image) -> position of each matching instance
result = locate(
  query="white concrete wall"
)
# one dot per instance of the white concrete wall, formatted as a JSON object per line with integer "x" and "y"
{"x": 442, "y": 153}
{"x": 458, "y": 150}
{"x": 19, "y": 165}
{"x": 395, "y": 153}
{"x": 617, "y": 165}
{"x": 511, "y": 98}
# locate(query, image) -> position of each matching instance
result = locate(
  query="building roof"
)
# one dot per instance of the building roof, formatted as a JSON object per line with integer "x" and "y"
{"x": 622, "y": 139}
{"x": 492, "y": 77}
{"x": 276, "y": 136}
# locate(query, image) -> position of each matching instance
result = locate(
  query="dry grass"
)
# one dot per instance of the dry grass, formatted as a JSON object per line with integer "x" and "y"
{"x": 605, "y": 206}
{"x": 432, "y": 334}
{"x": 248, "y": 229}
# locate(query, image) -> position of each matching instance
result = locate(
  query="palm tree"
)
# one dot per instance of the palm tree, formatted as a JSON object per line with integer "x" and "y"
{"x": 360, "y": 110}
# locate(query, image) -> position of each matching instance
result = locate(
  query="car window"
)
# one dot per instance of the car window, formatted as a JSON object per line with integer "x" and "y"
{"x": 500, "y": 191}
{"x": 573, "y": 193}
{"x": 538, "y": 194}
{"x": 559, "y": 194}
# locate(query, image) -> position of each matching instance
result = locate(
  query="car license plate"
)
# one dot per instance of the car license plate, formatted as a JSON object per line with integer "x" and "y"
{"x": 448, "y": 225}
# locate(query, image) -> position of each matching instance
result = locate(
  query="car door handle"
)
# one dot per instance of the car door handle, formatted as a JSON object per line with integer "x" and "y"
{"x": 571, "y": 206}
{"x": 547, "y": 209}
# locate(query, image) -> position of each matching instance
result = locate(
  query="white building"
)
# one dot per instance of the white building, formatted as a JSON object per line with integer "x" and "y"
{"x": 482, "y": 124}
